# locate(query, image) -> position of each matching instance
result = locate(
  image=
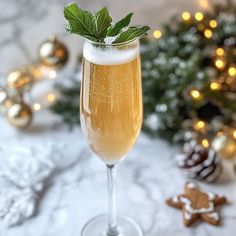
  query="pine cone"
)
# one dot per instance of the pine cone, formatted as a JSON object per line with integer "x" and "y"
{"x": 199, "y": 163}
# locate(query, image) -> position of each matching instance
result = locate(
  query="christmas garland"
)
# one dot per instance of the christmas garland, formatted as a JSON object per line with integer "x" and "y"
{"x": 189, "y": 77}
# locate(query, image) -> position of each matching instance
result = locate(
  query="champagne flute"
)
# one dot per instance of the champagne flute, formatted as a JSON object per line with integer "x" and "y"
{"x": 111, "y": 118}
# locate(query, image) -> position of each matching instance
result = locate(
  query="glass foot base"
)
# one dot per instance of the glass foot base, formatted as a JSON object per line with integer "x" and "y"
{"x": 98, "y": 226}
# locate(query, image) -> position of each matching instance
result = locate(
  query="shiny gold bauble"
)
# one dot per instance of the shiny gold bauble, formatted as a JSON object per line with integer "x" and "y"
{"x": 6, "y": 105}
{"x": 225, "y": 145}
{"x": 20, "y": 79}
{"x": 3, "y": 95}
{"x": 5, "y": 102}
{"x": 53, "y": 53}
{"x": 20, "y": 115}
{"x": 35, "y": 71}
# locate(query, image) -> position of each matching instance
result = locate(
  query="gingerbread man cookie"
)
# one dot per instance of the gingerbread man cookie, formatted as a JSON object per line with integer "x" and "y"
{"x": 197, "y": 204}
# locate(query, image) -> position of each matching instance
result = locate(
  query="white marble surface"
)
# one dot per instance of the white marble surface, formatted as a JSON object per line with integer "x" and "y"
{"x": 77, "y": 191}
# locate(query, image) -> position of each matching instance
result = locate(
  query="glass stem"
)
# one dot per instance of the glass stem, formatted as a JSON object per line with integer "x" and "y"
{"x": 112, "y": 217}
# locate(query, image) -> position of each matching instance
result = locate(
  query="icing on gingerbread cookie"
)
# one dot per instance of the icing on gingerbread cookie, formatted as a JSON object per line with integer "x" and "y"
{"x": 197, "y": 204}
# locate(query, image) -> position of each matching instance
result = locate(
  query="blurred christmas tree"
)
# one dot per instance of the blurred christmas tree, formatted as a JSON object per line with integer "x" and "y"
{"x": 189, "y": 77}
{"x": 67, "y": 105}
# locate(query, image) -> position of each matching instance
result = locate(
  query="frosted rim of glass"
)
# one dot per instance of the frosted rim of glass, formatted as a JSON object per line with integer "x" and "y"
{"x": 109, "y": 55}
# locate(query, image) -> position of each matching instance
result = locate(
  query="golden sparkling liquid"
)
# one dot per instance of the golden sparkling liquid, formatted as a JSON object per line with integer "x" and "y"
{"x": 111, "y": 107}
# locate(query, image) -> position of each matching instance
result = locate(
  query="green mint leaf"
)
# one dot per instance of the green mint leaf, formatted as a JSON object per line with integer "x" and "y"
{"x": 117, "y": 27}
{"x": 131, "y": 33}
{"x": 102, "y": 21}
{"x": 79, "y": 21}
{"x": 90, "y": 37}
{"x": 96, "y": 27}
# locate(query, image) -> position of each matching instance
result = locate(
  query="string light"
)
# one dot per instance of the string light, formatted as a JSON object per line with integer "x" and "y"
{"x": 208, "y": 33}
{"x": 157, "y": 34}
{"x": 198, "y": 16}
{"x": 51, "y": 97}
{"x": 232, "y": 71}
{"x": 205, "y": 143}
{"x": 213, "y": 23}
{"x": 200, "y": 125}
{"x": 37, "y": 107}
{"x": 195, "y": 94}
{"x": 219, "y": 63}
{"x": 215, "y": 86}
{"x": 234, "y": 134}
{"x": 220, "y": 51}
{"x": 186, "y": 16}
{"x": 52, "y": 74}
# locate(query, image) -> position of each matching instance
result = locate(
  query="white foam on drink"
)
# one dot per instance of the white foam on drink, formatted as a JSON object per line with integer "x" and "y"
{"x": 109, "y": 56}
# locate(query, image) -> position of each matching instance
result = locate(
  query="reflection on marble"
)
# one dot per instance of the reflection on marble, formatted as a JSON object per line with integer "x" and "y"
{"x": 77, "y": 190}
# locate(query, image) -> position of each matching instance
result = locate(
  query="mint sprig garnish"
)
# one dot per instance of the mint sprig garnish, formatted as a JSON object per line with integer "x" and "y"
{"x": 102, "y": 20}
{"x": 131, "y": 33}
{"x": 98, "y": 26}
{"x": 116, "y": 28}
{"x": 80, "y": 22}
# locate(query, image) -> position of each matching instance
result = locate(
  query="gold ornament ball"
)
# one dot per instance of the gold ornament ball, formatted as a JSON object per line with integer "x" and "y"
{"x": 53, "y": 53}
{"x": 6, "y": 105}
{"x": 5, "y": 102}
{"x": 20, "y": 80}
{"x": 225, "y": 145}
{"x": 3, "y": 95}
{"x": 35, "y": 71}
{"x": 20, "y": 115}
